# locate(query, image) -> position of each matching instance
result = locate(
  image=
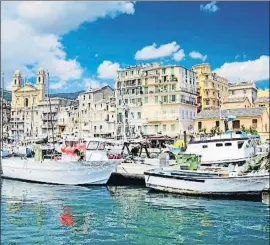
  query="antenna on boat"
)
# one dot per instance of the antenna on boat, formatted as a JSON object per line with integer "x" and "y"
{"x": 1, "y": 120}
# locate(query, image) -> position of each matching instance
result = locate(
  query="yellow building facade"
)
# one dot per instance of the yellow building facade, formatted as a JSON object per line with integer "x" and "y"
{"x": 25, "y": 94}
{"x": 263, "y": 93}
{"x": 256, "y": 117}
{"x": 211, "y": 88}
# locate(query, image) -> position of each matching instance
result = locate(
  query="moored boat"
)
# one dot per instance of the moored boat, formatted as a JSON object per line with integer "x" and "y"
{"x": 72, "y": 169}
{"x": 57, "y": 171}
{"x": 199, "y": 183}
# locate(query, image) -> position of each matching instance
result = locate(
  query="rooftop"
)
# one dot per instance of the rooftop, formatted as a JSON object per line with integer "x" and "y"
{"x": 241, "y": 83}
{"x": 264, "y": 99}
{"x": 96, "y": 89}
{"x": 236, "y": 99}
{"x": 237, "y": 112}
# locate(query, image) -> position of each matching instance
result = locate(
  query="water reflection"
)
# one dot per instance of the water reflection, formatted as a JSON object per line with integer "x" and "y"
{"x": 32, "y": 213}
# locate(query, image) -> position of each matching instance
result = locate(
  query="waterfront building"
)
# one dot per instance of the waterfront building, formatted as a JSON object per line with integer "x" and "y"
{"x": 68, "y": 119}
{"x": 243, "y": 88}
{"x": 212, "y": 89}
{"x": 5, "y": 114}
{"x": 97, "y": 112}
{"x": 262, "y": 102}
{"x": 156, "y": 98}
{"x": 256, "y": 117}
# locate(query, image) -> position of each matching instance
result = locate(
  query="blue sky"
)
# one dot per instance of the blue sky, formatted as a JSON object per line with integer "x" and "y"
{"x": 93, "y": 48}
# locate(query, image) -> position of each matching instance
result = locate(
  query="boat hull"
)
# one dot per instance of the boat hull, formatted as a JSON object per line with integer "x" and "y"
{"x": 58, "y": 172}
{"x": 242, "y": 185}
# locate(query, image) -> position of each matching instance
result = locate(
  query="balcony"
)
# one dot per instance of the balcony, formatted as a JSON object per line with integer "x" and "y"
{"x": 188, "y": 102}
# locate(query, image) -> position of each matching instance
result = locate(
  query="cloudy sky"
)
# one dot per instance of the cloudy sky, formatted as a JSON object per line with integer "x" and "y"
{"x": 82, "y": 44}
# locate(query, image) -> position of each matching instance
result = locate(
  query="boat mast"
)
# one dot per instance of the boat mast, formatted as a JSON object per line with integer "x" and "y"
{"x": 1, "y": 120}
{"x": 24, "y": 114}
{"x": 48, "y": 78}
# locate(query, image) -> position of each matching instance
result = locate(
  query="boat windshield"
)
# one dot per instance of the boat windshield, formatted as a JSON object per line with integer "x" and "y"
{"x": 93, "y": 145}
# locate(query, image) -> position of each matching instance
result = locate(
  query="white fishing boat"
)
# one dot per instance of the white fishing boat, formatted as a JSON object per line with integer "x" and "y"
{"x": 195, "y": 183}
{"x": 74, "y": 168}
{"x": 57, "y": 171}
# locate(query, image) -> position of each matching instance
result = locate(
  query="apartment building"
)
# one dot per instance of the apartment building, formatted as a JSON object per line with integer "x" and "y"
{"x": 155, "y": 99}
{"x": 97, "y": 112}
{"x": 68, "y": 119}
{"x": 212, "y": 89}
{"x": 241, "y": 89}
{"x": 5, "y": 114}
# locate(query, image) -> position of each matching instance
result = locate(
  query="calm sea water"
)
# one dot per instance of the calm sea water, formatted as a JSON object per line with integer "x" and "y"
{"x": 45, "y": 214}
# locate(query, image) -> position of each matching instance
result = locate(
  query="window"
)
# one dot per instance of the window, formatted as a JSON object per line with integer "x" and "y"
{"x": 173, "y": 98}
{"x": 228, "y": 144}
{"x": 95, "y": 129}
{"x": 26, "y": 102}
{"x": 164, "y": 128}
{"x": 219, "y": 144}
{"x": 101, "y": 146}
{"x": 254, "y": 123}
{"x": 100, "y": 127}
{"x": 139, "y": 115}
{"x": 84, "y": 97}
{"x": 156, "y": 99}
{"x": 146, "y": 90}
{"x": 173, "y": 87}
{"x": 163, "y": 70}
{"x": 165, "y": 99}
{"x": 217, "y": 123}
{"x": 145, "y": 99}
{"x": 240, "y": 144}
{"x": 172, "y": 127}
{"x": 236, "y": 124}
{"x": 156, "y": 128}
{"x": 244, "y": 91}
{"x": 199, "y": 125}
{"x": 146, "y": 81}
{"x": 205, "y": 146}
{"x": 92, "y": 145}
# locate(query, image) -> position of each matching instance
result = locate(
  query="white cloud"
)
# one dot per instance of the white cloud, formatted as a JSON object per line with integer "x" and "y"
{"x": 57, "y": 85}
{"x": 108, "y": 69}
{"x": 31, "y": 35}
{"x": 179, "y": 55}
{"x": 197, "y": 55}
{"x": 209, "y": 7}
{"x": 255, "y": 70}
{"x": 154, "y": 52}
{"x": 92, "y": 83}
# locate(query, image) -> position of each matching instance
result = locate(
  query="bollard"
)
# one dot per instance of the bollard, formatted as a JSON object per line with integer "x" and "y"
{"x": 163, "y": 160}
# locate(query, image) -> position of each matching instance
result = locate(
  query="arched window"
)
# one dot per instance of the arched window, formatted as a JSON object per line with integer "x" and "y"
{"x": 39, "y": 79}
{"x": 15, "y": 81}
{"x": 26, "y": 102}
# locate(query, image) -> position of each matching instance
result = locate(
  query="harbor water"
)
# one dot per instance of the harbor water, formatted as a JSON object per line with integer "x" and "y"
{"x": 46, "y": 214}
